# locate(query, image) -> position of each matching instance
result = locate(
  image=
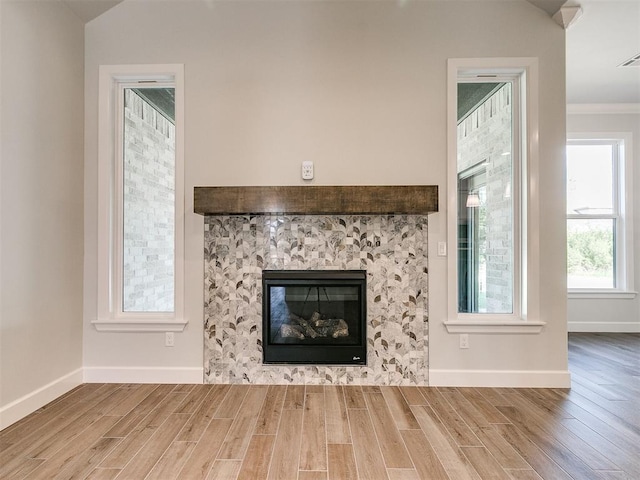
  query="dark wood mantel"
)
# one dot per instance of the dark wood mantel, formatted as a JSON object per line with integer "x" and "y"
{"x": 317, "y": 200}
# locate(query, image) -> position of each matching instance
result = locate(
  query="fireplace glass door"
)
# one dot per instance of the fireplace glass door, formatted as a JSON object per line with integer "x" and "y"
{"x": 314, "y": 317}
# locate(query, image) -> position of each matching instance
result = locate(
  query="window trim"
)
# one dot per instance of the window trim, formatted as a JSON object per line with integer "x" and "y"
{"x": 623, "y": 169}
{"x": 110, "y": 316}
{"x": 526, "y": 315}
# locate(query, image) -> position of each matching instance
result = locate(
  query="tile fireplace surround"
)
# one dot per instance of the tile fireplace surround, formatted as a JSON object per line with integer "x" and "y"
{"x": 391, "y": 248}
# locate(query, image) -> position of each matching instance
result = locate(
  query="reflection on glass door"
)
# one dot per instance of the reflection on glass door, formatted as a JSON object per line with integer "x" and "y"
{"x": 472, "y": 242}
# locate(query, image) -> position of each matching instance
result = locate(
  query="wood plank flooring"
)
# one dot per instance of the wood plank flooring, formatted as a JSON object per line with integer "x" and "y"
{"x": 107, "y": 431}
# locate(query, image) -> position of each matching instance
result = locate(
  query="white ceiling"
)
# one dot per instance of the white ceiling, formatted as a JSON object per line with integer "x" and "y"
{"x": 607, "y": 34}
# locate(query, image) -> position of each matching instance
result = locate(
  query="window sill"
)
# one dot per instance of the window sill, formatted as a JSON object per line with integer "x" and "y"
{"x": 602, "y": 294}
{"x": 494, "y": 326}
{"x": 139, "y": 325}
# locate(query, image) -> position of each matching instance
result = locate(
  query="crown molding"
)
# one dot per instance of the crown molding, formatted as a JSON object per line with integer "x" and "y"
{"x": 602, "y": 108}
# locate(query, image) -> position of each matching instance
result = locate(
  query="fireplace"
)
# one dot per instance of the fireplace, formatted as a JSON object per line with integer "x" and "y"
{"x": 380, "y": 230}
{"x": 392, "y": 249}
{"x": 314, "y": 317}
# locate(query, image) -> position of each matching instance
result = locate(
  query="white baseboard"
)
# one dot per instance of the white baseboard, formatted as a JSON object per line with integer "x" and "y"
{"x": 500, "y": 378}
{"x": 20, "y": 408}
{"x": 604, "y": 327}
{"x": 143, "y": 375}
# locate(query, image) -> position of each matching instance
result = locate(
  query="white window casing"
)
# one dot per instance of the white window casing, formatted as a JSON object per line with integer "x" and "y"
{"x": 623, "y": 213}
{"x": 523, "y": 74}
{"x": 110, "y": 314}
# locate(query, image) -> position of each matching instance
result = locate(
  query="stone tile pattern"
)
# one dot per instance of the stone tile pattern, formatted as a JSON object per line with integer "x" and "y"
{"x": 393, "y": 251}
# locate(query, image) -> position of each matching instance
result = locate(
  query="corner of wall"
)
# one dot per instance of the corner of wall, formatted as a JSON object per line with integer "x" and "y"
{"x": 29, "y": 403}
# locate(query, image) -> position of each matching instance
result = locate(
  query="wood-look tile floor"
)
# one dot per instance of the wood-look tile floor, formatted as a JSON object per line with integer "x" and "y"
{"x": 106, "y": 431}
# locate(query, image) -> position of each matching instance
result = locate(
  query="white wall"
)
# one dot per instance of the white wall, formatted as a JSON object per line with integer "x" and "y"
{"x": 42, "y": 205}
{"x": 611, "y": 314}
{"x": 360, "y": 89}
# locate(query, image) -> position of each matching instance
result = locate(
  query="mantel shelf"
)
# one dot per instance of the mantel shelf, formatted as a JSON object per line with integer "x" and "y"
{"x": 317, "y": 200}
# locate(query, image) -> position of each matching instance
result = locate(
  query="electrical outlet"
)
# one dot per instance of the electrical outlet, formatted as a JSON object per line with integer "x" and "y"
{"x": 169, "y": 339}
{"x": 464, "y": 340}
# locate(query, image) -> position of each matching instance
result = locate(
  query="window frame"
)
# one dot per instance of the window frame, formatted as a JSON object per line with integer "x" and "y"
{"x": 525, "y": 316}
{"x": 110, "y": 314}
{"x": 623, "y": 215}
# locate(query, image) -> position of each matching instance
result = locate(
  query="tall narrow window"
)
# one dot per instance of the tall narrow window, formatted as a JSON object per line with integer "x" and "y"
{"x": 141, "y": 191}
{"x": 486, "y": 178}
{"x": 148, "y": 198}
{"x": 493, "y": 286}
{"x": 596, "y": 221}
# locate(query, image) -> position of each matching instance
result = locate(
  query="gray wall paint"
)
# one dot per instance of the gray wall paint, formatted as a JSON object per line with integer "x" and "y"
{"x": 42, "y": 196}
{"x": 611, "y": 314}
{"x": 360, "y": 89}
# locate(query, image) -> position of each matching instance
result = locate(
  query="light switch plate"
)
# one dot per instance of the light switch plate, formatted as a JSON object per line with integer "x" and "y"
{"x": 307, "y": 170}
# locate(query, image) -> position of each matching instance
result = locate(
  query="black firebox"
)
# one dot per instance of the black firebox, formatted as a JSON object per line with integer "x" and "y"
{"x": 314, "y": 317}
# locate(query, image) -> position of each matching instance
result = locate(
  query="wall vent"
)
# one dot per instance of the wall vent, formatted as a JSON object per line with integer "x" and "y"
{"x": 632, "y": 62}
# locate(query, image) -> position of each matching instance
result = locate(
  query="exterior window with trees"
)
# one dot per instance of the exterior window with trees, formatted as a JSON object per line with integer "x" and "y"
{"x": 596, "y": 221}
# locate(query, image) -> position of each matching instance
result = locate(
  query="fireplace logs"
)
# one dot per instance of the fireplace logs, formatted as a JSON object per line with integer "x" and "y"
{"x": 315, "y": 327}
